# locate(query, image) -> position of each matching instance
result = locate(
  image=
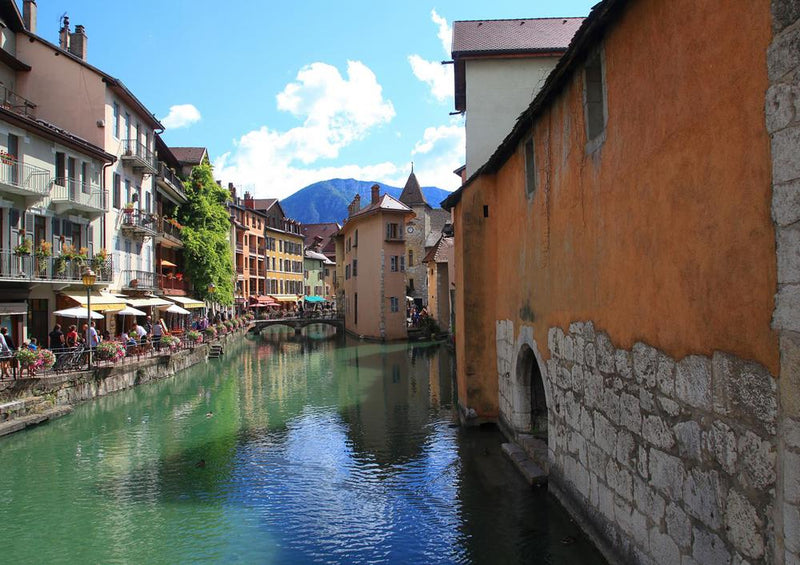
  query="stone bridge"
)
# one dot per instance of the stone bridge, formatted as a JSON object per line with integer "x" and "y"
{"x": 297, "y": 323}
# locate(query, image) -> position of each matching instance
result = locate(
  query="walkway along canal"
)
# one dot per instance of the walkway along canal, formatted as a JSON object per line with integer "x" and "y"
{"x": 288, "y": 449}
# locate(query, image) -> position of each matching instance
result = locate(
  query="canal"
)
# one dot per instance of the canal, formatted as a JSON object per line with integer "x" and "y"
{"x": 289, "y": 449}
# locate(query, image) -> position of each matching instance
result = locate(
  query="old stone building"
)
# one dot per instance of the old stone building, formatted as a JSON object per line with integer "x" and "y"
{"x": 421, "y": 234}
{"x": 619, "y": 251}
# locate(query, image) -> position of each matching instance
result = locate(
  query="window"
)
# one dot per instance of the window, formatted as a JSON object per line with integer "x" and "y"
{"x": 116, "y": 120}
{"x": 61, "y": 168}
{"x": 347, "y": 272}
{"x": 395, "y": 304}
{"x": 594, "y": 99}
{"x": 393, "y": 263}
{"x": 355, "y": 267}
{"x": 127, "y": 126}
{"x": 410, "y": 257}
{"x": 411, "y": 284}
{"x": 393, "y": 231}
{"x": 402, "y": 263}
{"x": 530, "y": 168}
{"x": 280, "y": 246}
{"x": 117, "y": 196}
{"x": 349, "y": 244}
{"x": 128, "y": 195}
{"x": 85, "y": 177}
{"x": 355, "y": 243}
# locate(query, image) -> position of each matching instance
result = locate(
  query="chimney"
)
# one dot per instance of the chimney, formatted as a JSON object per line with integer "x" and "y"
{"x": 78, "y": 42}
{"x": 29, "y": 15}
{"x": 63, "y": 34}
{"x": 232, "y": 190}
{"x": 248, "y": 201}
{"x": 376, "y": 193}
{"x": 355, "y": 205}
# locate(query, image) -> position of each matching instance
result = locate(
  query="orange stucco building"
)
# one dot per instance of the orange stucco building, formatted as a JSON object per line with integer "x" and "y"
{"x": 374, "y": 279}
{"x": 618, "y": 253}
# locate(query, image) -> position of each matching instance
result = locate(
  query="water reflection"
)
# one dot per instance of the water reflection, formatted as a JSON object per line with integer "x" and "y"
{"x": 290, "y": 449}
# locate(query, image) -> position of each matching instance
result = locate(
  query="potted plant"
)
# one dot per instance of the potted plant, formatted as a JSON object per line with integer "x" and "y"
{"x": 6, "y": 158}
{"x": 26, "y": 358}
{"x": 171, "y": 341}
{"x": 24, "y": 247}
{"x": 46, "y": 359}
{"x": 100, "y": 262}
{"x": 194, "y": 336}
{"x": 129, "y": 208}
{"x": 44, "y": 251}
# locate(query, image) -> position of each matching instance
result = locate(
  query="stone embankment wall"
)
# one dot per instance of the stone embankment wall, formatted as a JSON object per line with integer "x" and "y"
{"x": 31, "y": 396}
{"x": 665, "y": 460}
{"x": 783, "y": 124}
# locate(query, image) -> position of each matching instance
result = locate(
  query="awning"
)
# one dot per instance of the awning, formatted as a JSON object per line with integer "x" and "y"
{"x": 147, "y": 302}
{"x": 100, "y": 302}
{"x": 13, "y": 308}
{"x": 314, "y": 299}
{"x": 262, "y": 301}
{"x": 284, "y": 297}
{"x": 165, "y": 263}
{"x": 187, "y": 302}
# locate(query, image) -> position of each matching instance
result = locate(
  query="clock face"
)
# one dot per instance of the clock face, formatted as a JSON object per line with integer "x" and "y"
{"x": 410, "y": 229}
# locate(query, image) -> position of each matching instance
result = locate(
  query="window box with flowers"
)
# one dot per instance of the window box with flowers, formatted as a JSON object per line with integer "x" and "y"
{"x": 43, "y": 252}
{"x": 7, "y": 158}
{"x": 24, "y": 247}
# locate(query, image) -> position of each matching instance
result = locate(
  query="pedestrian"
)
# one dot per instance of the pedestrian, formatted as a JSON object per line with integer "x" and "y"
{"x": 94, "y": 339}
{"x": 72, "y": 336}
{"x": 56, "y": 338}
{"x": 141, "y": 333}
{"x": 157, "y": 332}
{"x": 148, "y": 325}
{"x": 5, "y": 354}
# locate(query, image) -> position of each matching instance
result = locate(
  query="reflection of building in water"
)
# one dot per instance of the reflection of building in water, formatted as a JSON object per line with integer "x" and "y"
{"x": 394, "y": 385}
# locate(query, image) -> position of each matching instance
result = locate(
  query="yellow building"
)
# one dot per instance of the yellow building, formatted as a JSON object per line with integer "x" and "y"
{"x": 283, "y": 254}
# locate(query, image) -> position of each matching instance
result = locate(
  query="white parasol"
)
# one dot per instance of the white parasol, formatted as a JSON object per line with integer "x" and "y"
{"x": 77, "y": 312}
{"x": 175, "y": 309}
{"x": 131, "y": 311}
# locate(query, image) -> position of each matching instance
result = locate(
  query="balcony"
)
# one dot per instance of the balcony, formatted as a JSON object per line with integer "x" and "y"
{"x": 138, "y": 224}
{"x": 170, "y": 182}
{"x": 56, "y": 270}
{"x": 168, "y": 233}
{"x": 71, "y": 194}
{"x": 139, "y": 280}
{"x": 138, "y": 156}
{"x": 239, "y": 248}
{"x": 173, "y": 286}
{"x": 22, "y": 179}
{"x": 10, "y": 100}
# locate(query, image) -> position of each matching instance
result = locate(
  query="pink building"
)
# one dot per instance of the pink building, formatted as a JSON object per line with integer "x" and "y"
{"x": 374, "y": 267}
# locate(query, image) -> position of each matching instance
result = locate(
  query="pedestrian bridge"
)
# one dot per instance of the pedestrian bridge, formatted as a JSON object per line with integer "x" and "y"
{"x": 298, "y": 323}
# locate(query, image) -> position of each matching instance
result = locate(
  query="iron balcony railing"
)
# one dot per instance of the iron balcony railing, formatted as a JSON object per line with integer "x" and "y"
{"x": 10, "y": 100}
{"x": 169, "y": 229}
{"x": 138, "y": 153}
{"x": 170, "y": 177}
{"x": 139, "y": 222}
{"x": 139, "y": 279}
{"x": 57, "y": 269}
{"x": 20, "y": 178}
{"x": 79, "y": 195}
{"x": 167, "y": 282}
{"x": 239, "y": 248}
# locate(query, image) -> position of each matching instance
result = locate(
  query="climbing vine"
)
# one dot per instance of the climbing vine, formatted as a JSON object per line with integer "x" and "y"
{"x": 206, "y": 236}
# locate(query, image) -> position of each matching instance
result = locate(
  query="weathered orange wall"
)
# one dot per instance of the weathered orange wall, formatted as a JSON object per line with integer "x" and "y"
{"x": 663, "y": 235}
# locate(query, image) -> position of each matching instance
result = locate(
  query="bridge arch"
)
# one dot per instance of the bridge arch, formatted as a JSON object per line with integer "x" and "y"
{"x": 530, "y": 388}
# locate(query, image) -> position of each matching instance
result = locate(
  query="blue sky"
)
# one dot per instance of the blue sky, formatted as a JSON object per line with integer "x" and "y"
{"x": 284, "y": 94}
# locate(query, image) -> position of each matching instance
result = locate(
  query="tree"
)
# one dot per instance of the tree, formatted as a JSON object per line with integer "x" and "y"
{"x": 207, "y": 254}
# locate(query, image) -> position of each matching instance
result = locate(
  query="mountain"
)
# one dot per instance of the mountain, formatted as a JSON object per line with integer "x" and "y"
{"x": 327, "y": 200}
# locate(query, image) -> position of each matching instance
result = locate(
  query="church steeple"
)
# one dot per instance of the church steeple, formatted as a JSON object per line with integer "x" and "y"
{"x": 412, "y": 193}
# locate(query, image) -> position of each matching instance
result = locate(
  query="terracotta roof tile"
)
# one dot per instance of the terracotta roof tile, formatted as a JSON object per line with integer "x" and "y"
{"x": 494, "y": 36}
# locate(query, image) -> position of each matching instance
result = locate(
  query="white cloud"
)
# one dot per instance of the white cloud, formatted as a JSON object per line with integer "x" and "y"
{"x": 335, "y": 112}
{"x": 181, "y": 116}
{"x": 438, "y": 153}
{"x": 437, "y": 76}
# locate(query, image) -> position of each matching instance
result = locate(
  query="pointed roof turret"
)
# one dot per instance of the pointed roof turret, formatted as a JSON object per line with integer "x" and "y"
{"x": 412, "y": 193}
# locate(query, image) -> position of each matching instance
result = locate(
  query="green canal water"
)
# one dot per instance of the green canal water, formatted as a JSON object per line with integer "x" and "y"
{"x": 289, "y": 449}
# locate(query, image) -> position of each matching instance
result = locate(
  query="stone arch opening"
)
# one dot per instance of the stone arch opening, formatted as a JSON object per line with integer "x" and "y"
{"x": 530, "y": 379}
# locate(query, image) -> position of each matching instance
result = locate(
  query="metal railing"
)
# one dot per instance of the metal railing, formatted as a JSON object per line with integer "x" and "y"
{"x": 16, "y": 103}
{"x": 56, "y": 269}
{"x": 83, "y": 195}
{"x": 139, "y": 279}
{"x": 139, "y": 221}
{"x": 135, "y": 150}
{"x": 239, "y": 248}
{"x": 23, "y": 177}
{"x": 167, "y": 282}
{"x": 166, "y": 228}
{"x": 170, "y": 177}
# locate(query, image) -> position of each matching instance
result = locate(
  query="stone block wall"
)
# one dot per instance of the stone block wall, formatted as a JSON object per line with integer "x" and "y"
{"x": 667, "y": 460}
{"x": 782, "y": 112}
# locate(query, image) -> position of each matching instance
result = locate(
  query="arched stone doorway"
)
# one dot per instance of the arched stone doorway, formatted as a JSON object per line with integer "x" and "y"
{"x": 531, "y": 393}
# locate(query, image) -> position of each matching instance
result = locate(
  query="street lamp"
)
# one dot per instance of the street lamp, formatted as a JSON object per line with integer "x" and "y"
{"x": 89, "y": 278}
{"x": 212, "y": 288}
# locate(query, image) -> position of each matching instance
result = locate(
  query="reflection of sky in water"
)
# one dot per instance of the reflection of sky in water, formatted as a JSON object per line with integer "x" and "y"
{"x": 317, "y": 450}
